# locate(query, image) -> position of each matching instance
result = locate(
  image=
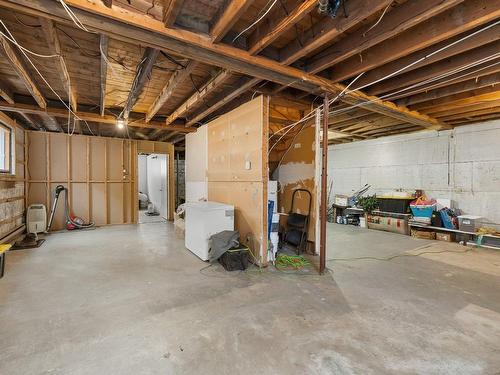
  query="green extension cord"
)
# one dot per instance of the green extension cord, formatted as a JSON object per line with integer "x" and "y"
{"x": 291, "y": 261}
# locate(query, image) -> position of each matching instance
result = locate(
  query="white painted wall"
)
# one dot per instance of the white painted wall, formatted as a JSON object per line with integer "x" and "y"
{"x": 196, "y": 165}
{"x": 143, "y": 174}
{"x": 461, "y": 164}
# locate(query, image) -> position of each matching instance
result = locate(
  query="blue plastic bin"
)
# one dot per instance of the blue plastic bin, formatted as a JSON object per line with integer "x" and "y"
{"x": 422, "y": 210}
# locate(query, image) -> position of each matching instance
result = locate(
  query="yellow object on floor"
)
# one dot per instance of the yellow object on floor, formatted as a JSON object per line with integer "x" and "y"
{"x": 4, "y": 247}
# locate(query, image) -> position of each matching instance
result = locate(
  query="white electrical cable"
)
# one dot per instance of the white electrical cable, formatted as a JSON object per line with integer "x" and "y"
{"x": 14, "y": 41}
{"x": 380, "y": 19}
{"x": 421, "y": 83}
{"x": 427, "y": 56}
{"x": 255, "y": 22}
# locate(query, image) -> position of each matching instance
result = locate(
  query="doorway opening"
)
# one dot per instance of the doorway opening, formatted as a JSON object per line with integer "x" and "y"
{"x": 152, "y": 187}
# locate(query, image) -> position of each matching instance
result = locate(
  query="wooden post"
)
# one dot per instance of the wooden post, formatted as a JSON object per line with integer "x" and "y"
{"x": 324, "y": 161}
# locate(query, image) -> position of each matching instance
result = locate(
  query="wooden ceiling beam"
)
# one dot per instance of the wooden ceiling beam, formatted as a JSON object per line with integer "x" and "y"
{"x": 17, "y": 63}
{"x": 243, "y": 86}
{"x": 166, "y": 92}
{"x": 230, "y": 15}
{"x": 397, "y": 21}
{"x": 54, "y": 46}
{"x": 6, "y": 93}
{"x": 89, "y": 116}
{"x": 194, "y": 100}
{"x": 277, "y": 22}
{"x": 128, "y": 26}
{"x": 485, "y": 104}
{"x": 171, "y": 9}
{"x": 330, "y": 28}
{"x": 487, "y": 36}
{"x": 459, "y": 104}
{"x": 438, "y": 68}
{"x": 466, "y": 115}
{"x": 487, "y": 90}
{"x": 471, "y": 73}
{"x": 459, "y": 19}
{"x": 142, "y": 76}
{"x": 103, "y": 48}
{"x": 461, "y": 87}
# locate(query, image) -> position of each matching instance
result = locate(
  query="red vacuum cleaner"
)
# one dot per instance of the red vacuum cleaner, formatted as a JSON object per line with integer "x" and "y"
{"x": 72, "y": 221}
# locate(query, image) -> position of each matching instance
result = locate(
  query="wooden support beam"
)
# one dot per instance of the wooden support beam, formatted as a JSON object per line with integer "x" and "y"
{"x": 461, "y": 87}
{"x": 198, "y": 97}
{"x": 466, "y": 116}
{"x": 17, "y": 63}
{"x": 166, "y": 92}
{"x": 243, "y": 87}
{"x": 275, "y": 24}
{"x": 474, "y": 94}
{"x": 461, "y": 103}
{"x": 472, "y": 73}
{"x": 6, "y": 93}
{"x": 32, "y": 124}
{"x": 171, "y": 9}
{"x": 441, "y": 67}
{"x": 108, "y": 3}
{"x": 142, "y": 76}
{"x": 488, "y": 36}
{"x": 103, "y": 47}
{"x": 89, "y": 116}
{"x": 485, "y": 104}
{"x": 329, "y": 28}
{"x": 231, "y": 14}
{"x": 128, "y": 26}
{"x": 54, "y": 46}
{"x": 393, "y": 23}
{"x": 459, "y": 19}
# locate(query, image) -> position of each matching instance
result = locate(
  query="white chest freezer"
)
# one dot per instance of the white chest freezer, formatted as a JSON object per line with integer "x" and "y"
{"x": 204, "y": 219}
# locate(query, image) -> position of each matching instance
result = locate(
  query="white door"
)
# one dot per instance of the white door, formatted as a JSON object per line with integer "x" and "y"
{"x": 157, "y": 182}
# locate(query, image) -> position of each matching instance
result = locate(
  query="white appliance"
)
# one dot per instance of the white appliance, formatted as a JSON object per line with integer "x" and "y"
{"x": 204, "y": 219}
{"x": 36, "y": 218}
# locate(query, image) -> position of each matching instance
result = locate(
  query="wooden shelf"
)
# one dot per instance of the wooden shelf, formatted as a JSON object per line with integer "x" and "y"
{"x": 417, "y": 225}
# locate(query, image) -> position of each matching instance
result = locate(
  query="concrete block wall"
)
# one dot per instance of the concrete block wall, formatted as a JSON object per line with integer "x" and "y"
{"x": 461, "y": 164}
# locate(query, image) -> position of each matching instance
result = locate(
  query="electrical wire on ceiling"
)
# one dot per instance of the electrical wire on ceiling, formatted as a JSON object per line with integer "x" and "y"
{"x": 25, "y": 52}
{"x": 379, "y": 20}
{"x": 257, "y": 20}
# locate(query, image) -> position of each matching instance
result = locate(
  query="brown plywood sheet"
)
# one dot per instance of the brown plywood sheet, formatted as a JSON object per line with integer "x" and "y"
{"x": 97, "y": 159}
{"x": 98, "y": 202}
{"x": 58, "y": 157}
{"x": 37, "y": 163}
{"x": 115, "y": 196}
{"x": 78, "y": 158}
{"x": 114, "y": 158}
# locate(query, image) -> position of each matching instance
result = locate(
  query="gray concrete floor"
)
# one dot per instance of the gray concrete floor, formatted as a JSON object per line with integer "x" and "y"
{"x": 132, "y": 300}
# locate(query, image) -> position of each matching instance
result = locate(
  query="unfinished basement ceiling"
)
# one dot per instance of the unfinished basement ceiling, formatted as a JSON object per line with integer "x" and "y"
{"x": 433, "y": 63}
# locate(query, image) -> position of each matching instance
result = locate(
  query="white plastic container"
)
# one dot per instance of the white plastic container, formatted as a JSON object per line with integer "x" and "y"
{"x": 204, "y": 219}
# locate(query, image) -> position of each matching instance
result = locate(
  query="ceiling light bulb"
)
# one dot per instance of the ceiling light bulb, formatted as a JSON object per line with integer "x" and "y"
{"x": 120, "y": 123}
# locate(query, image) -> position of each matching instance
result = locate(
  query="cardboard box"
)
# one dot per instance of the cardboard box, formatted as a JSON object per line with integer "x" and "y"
{"x": 447, "y": 237}
{"x": 423, "y": 234}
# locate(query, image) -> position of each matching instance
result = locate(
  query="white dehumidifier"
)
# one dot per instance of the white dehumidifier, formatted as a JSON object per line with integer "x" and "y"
{"x": 36, "y": 219}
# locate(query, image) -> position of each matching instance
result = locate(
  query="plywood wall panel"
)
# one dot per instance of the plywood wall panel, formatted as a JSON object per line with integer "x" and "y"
{"x": 234, "y": 139}
{"x": 97, "y": 159}
{"x": 219, "y": 150}
{"x": 37, "y": 193}
{"x": 58, "y": 148}
{"x": 115, "y": 196}
{"x": 78, "y": 158}
{"x": 115, "y": 159}
{"x": 98, "y": 203}
{"x": 37, "y": 148}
